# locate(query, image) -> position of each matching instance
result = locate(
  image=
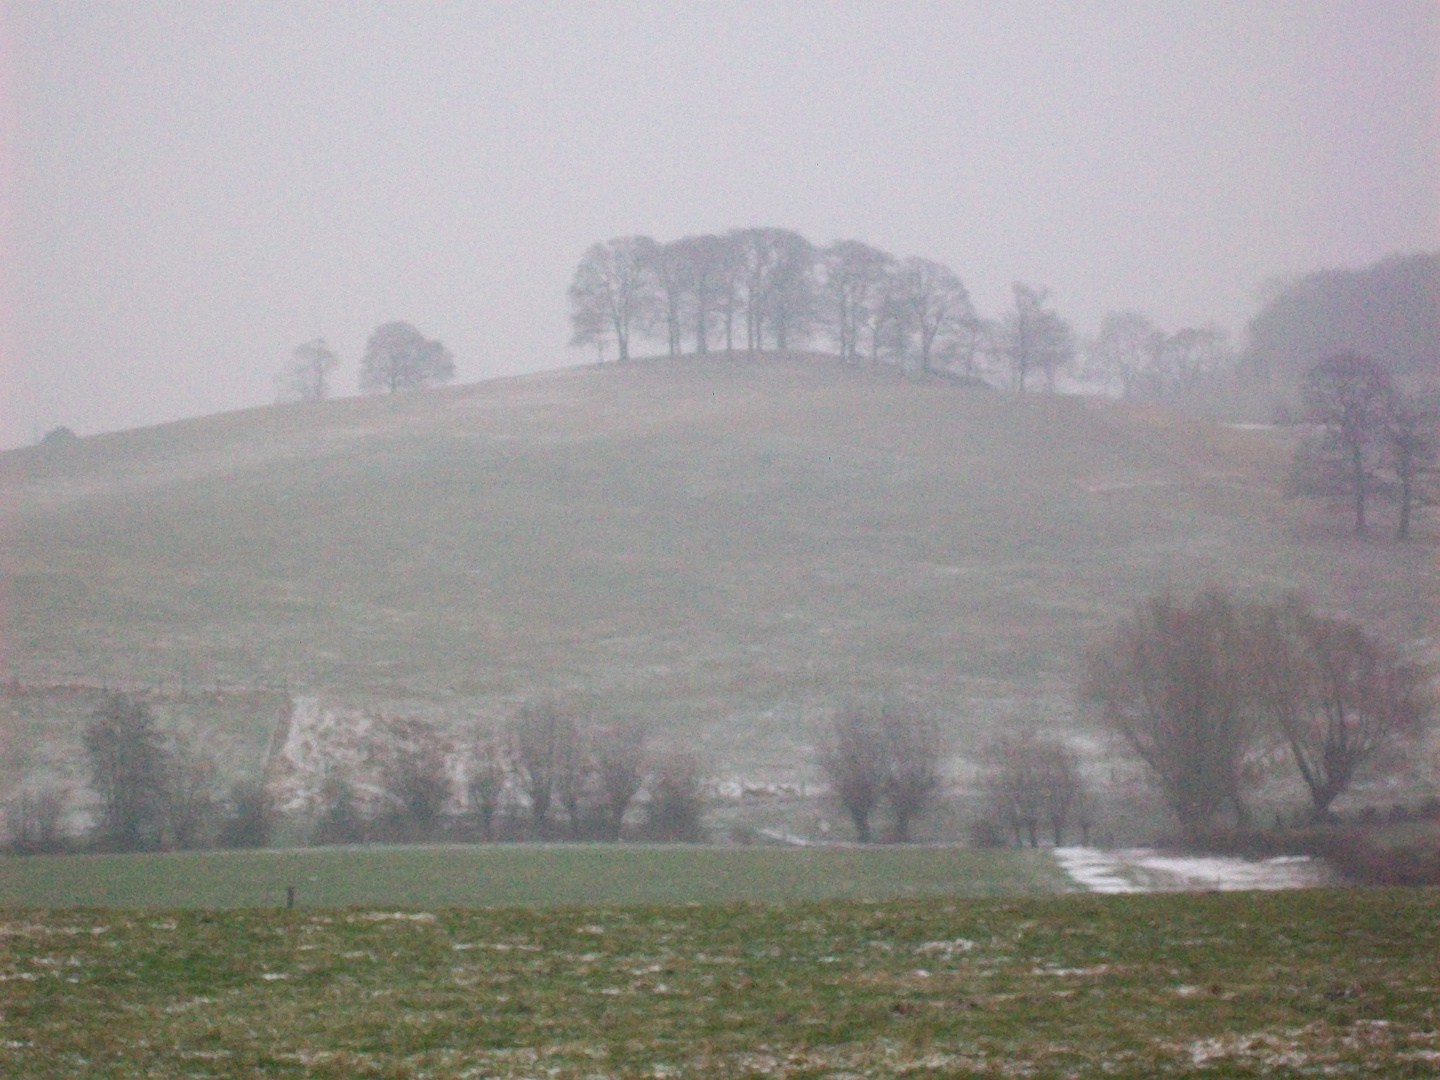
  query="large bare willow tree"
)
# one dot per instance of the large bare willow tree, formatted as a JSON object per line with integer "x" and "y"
{"x": 1171, "y": 682}
{"x": 1338, "y": 696}
{"x": 883, "y": 752}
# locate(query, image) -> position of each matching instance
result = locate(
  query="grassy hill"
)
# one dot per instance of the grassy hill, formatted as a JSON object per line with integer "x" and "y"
{"x": 725, "y": 546}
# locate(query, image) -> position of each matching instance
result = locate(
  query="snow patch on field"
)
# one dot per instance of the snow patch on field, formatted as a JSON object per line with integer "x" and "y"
{"x": 1144, "y": 870}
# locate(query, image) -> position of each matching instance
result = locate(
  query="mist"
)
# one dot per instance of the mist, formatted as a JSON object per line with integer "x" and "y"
{"x": 188, "y": 192}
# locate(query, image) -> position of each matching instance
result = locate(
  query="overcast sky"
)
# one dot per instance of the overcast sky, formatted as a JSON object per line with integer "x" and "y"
{"x": 187, "y": 191}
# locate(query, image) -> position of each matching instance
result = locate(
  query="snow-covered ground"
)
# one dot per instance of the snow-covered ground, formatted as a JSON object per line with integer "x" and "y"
{"x": 1144, "y": 870}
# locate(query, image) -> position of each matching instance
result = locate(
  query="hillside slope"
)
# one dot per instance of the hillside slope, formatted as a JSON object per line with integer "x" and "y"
{"x": 721, "y": 546}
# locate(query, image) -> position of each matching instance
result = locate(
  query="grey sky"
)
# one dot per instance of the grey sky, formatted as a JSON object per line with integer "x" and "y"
{"x": 191, "y": 190}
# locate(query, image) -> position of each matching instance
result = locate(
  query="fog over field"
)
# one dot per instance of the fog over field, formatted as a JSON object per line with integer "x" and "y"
{"x": 189, "y": 191}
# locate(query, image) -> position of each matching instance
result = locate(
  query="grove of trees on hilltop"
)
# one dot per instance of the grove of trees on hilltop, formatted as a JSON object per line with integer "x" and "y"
{"x": 770, "y": 288}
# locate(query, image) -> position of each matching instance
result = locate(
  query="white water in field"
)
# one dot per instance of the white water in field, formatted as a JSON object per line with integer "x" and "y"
{"x": 1144, "y": 870}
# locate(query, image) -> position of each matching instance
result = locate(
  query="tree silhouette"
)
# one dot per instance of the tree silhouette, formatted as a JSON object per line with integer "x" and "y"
{"x": 1349, "y": 396}
{"x": 398, "y": 357}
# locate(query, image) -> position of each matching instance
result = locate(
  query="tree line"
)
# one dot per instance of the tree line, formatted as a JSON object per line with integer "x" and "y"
{"x": 1207, "y": 694}
{"x": 549, "y": 774}
{"x": 768, "y": 288}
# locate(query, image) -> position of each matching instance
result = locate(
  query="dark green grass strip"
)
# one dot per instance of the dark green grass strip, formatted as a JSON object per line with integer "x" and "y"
{"x": 519, "y": 875}
{"x": 1280, "y": 984}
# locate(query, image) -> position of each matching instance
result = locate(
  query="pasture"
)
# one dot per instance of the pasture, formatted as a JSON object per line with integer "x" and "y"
{"x": 530, "y": 875}
{"x": 1335, "y": 982}
{"x": 724, "y": 548}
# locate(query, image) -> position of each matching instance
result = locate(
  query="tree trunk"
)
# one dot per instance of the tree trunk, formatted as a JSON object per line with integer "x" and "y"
{"x": 862, "y": 826}
{"x": 1357, "y": 460}
{"x": 1407, "y": 493}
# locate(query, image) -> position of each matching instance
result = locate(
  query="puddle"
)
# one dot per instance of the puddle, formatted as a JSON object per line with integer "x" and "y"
{"x": 1139, "y": 870}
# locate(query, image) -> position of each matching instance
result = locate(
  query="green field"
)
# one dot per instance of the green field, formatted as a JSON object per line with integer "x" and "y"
{"x": 530, "y": 875}
{"x": 1281, "y": 984}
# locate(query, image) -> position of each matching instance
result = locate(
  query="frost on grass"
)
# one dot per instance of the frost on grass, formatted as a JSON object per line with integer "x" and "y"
{"x": 1082, "y": 985}
{"x": 945, "y": 950}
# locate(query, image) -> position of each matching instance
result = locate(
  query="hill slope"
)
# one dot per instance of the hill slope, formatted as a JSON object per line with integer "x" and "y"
{"x": 721, "y": 546}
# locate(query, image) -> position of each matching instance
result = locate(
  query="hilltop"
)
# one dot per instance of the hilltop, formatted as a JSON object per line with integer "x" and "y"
{"x": 725, "y": 546}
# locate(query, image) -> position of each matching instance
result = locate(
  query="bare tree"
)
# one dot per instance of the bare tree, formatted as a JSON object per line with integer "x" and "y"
{"x": 667, "y": 270}
{"x": 540, "y": 737}
{"x": 613, "y": 293}
{"x": 251, "y": 817}
{"x": 1188, "y": 356}
{"x": 36, "y": 819}
{"x": 1013, "y": 795}
{"x": 707, "y": 277}
{"x": 779, "y": 285}
{"x": 1065, "y": 794}
{"x": 854, "y": 758}
{"x": 1349, "y": 396}
{"x": 307, "y": 376}
{"x": 575, "y": 780}
{"x": 1171, "y": 682}
{"x": 676, "y": 800}
{"x": 410, "y": 755}
{"x": 935, "y": 304}
{"x": 912, "y": 757}
{"x": 890, "y": 326}
{"x": 1034, "y": 338}
{"x": 190, "y": 794}
{"x": 1336, "y": 694}
{"x": 730, "y": 285}
{"x": 1412, "y": 446}
{"x": 398, "y": 357}
{"x": 1126, "y": 349}
{"x": 620, "y": 772}
{"x": 128, "y": 765}
{"x": 588, "y": 326}
{"x": 882, "y": 752}
{"x": 486, "y": 783}
{"x": 340, "y": 820}
{"x": 1033, "y": 783}
{"x": 791, "y": 294}
{"x": 854, "y": 280}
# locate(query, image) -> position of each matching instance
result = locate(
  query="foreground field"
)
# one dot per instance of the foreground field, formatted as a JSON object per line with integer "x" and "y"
{"x": 529, "y": 875}
{"x": 1227, "y": 985}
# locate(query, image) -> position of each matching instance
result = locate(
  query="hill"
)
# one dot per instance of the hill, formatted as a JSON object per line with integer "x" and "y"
{"x": 726, "y": 547}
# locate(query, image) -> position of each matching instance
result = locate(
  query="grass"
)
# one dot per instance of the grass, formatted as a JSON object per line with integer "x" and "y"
{"x": 724, "y": 548}
{"x": 522, "y": 875}
{"x": 1222, "y": 985}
